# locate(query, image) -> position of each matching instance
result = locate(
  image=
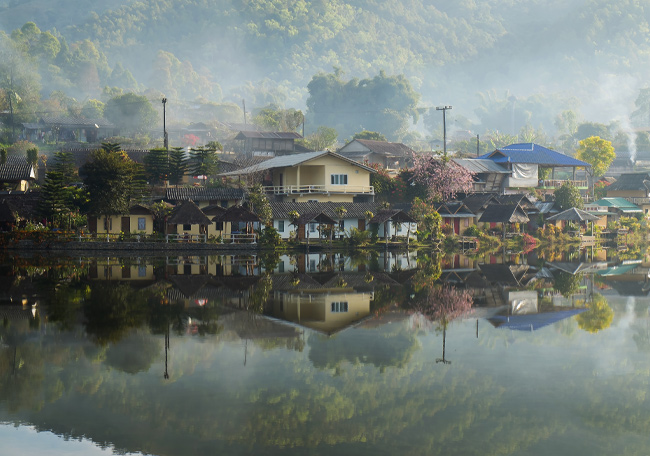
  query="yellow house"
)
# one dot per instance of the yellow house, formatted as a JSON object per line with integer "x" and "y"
{"x": 634, "y": 187}
{"x": 313, "y": 177}
{"x": 139, "y": 220}
{"x": 187, "y": 218}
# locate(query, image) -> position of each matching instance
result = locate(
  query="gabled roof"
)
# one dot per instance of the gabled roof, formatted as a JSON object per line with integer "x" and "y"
{"x": 533, "y": 154}
{"x": 621, "y": 204}
{"x": 319, "y": 217}
{"x": 280, "y": 210}
{"x": 454, "y": 210}
{"x": 75, "y": 122}
{"x": 188, "y": 213}
{"x": 285, "y": 161}
{"x": 518, "y": 198}
{"x": 477, "y": 201}
{"x": 504, "y": 213}
{"x": 16, "y": 169}
{"x": 573, "y": 215}
{"x": 268, "y": 135}
{"x": 631, "y": 181}
{"x": 204, "y": 194}
{"x": 394, "y": 215}
{"x": 390, "y": 149}
{"x": 236, "y": 214}
{"x": 481, "y": 165}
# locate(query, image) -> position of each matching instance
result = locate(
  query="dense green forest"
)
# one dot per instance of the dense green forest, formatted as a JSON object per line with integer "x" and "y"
{"x": 502, "y": 64}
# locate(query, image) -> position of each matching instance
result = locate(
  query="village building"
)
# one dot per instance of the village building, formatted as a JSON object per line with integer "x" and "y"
{"x": 457, "y": 215}
{"x": 489, "y": 176}
{"x": 139, "y": 220}
{"x": 526, "y": 163}
{"x": 68, "y": 129}
{"x": 312, "y": 177}
{"x": 205, "y": 196}
{"x": 634, "y": 187}
{"x": 615, "y": 207}
{"x": 577, "y": 217}
{"x": 503, "y": 215}
{"x": 16, "y": 174}
{"x": 267, "y": 143}
{"x": 388, "y": 155}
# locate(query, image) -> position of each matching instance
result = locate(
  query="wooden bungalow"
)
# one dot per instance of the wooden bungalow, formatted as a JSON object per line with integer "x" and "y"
{"x": 240, "y": 224}
{"x": 457, "y": 215}
{"x": 577, "y": 216}
{"x": 397, "y": 218}
{"x": 16, "y": 174}
{"x": 315, "y": 221}
{"x": 188, "y": 219}
{"x": 503, "y": 214}
{"x": 215, "y": 228}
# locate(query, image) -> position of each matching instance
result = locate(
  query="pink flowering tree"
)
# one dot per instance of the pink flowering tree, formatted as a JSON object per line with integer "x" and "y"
{"x": 443, "y": 304}
{"x": 442, "y": 177}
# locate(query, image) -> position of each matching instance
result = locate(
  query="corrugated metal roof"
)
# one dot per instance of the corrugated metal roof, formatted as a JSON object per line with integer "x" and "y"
{"x": 478, "y": 165}
{"x": 619, "y": 203}
{"x": 268, "y": 135}
{"x": 534, "y": 154}
{"x": 573, "y": 215}
{"x": 285, "y": 161}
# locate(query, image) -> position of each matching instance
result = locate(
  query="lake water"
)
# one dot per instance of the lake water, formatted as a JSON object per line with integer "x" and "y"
{"x": 325, "y": 354}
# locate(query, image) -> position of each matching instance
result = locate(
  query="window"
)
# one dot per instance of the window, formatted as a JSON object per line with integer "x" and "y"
{"x": 142, "y": 224}
{"x": 339, "y": 179}
{"x": 281, "y": 226}
{"x": 281, "y": 266}
{"x": 338, "y": 306}
{"x": 312, "y": 227}
{"x": 142, "y": 271}
{"x": 466, "y": 222}
{"x": 224, "y": 203}
{"x": 341, "y": 225}
{"x": 187, "y": 227}
{"x": 218, "y": 226}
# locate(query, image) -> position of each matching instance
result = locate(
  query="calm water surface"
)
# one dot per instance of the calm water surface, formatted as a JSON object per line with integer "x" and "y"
{"x": 324, "y": 354}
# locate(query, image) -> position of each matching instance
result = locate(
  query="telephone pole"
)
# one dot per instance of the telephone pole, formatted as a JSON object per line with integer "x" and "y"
{"x": 165, "y": 142}
{"x": 444, "y": 127}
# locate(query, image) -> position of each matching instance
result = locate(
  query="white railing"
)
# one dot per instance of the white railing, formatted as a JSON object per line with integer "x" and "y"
{"x": 239, "y": 238}
{"x": 288, "y": 189}
{"x": 556, "y": 183}
{"x": 186, "y": 238}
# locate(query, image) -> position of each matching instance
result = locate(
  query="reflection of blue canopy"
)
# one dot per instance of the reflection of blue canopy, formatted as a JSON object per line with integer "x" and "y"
{"x": 618, "y": 270}
{"x": 531, "y": 322}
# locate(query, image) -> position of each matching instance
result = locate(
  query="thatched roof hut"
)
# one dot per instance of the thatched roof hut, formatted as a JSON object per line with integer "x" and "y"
{"x": 188, "y": 213}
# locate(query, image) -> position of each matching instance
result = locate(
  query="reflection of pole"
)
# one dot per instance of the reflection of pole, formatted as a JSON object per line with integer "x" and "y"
{"x": 166, "y": 374}
{"x": 477, "y": 328}
{"x": 245, "y": 350}
{"x": 444, "y": 340}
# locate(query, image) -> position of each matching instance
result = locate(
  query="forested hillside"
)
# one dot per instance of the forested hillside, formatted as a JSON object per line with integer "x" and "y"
{"x": 561, "y": 54}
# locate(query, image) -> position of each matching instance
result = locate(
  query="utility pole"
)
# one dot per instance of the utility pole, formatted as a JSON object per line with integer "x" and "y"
{"x": 477, "y": 146}
{"x": 243, "y": 102}
{"x": 444, "y": 127}
{"x": 165, "y": 141}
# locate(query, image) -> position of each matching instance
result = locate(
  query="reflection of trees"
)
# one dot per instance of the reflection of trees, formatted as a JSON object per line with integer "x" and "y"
{"x": 394, "y": 347}
{"x": 111, "y": 309}
{"x": 134, "y": 353}
{"x": 567, "y": 284}
{"x": 599, "y": 316}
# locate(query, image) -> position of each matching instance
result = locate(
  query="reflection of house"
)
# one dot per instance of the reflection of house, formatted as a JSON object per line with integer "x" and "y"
{"x": 386, "y": 154}
{"x": 114, "y": 269}
{"x": 525, "y": 161}
{"x": 326, "y": 307}
{"x": 313, "y": 176}
{"x": 139, "y": 220}
{"x": 16, "y": 174}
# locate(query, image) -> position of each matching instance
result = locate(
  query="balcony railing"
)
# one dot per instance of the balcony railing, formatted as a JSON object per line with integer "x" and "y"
{"x": 557, "y": 183}
{"x": 302, "y": 189}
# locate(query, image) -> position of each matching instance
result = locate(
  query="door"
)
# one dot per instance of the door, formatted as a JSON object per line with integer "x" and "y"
{"x": 457, "y": 225}
{"x": 92, "y": 224}
{"x": 126, "y": 225}
{"x": 362, "y": 224}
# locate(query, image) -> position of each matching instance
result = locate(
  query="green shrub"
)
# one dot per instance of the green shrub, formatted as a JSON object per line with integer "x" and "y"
{"x": 473, "y": 231}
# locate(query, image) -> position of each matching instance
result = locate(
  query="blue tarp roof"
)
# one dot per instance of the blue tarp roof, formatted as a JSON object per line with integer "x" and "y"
{"x": 532, "y": 322}
{"x": 532, "y": 153}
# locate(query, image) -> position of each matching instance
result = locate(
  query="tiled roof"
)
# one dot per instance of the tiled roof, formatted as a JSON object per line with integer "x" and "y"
{"x": 573, "y": 215}
{"x": 477, "y": 201}
{"x": 632, "y": 181}
{"x": 204, "y": 194}
{"x": 503, "y": 213}
{"x": 284, "y": 161}
{"x": 382, "y": 147}
{"x": 532, "y": 153}
{"x": 478, "y": 165}
{"x": 16, "y": 169}
{"x": 391, "y": 214}
{"x": 517, "y": 198}
{"x": 188, "y": 213}
{"x": 354, "y": 210}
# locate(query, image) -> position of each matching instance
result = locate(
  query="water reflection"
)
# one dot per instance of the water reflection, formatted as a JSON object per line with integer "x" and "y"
{"x": 327, "y": 353}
